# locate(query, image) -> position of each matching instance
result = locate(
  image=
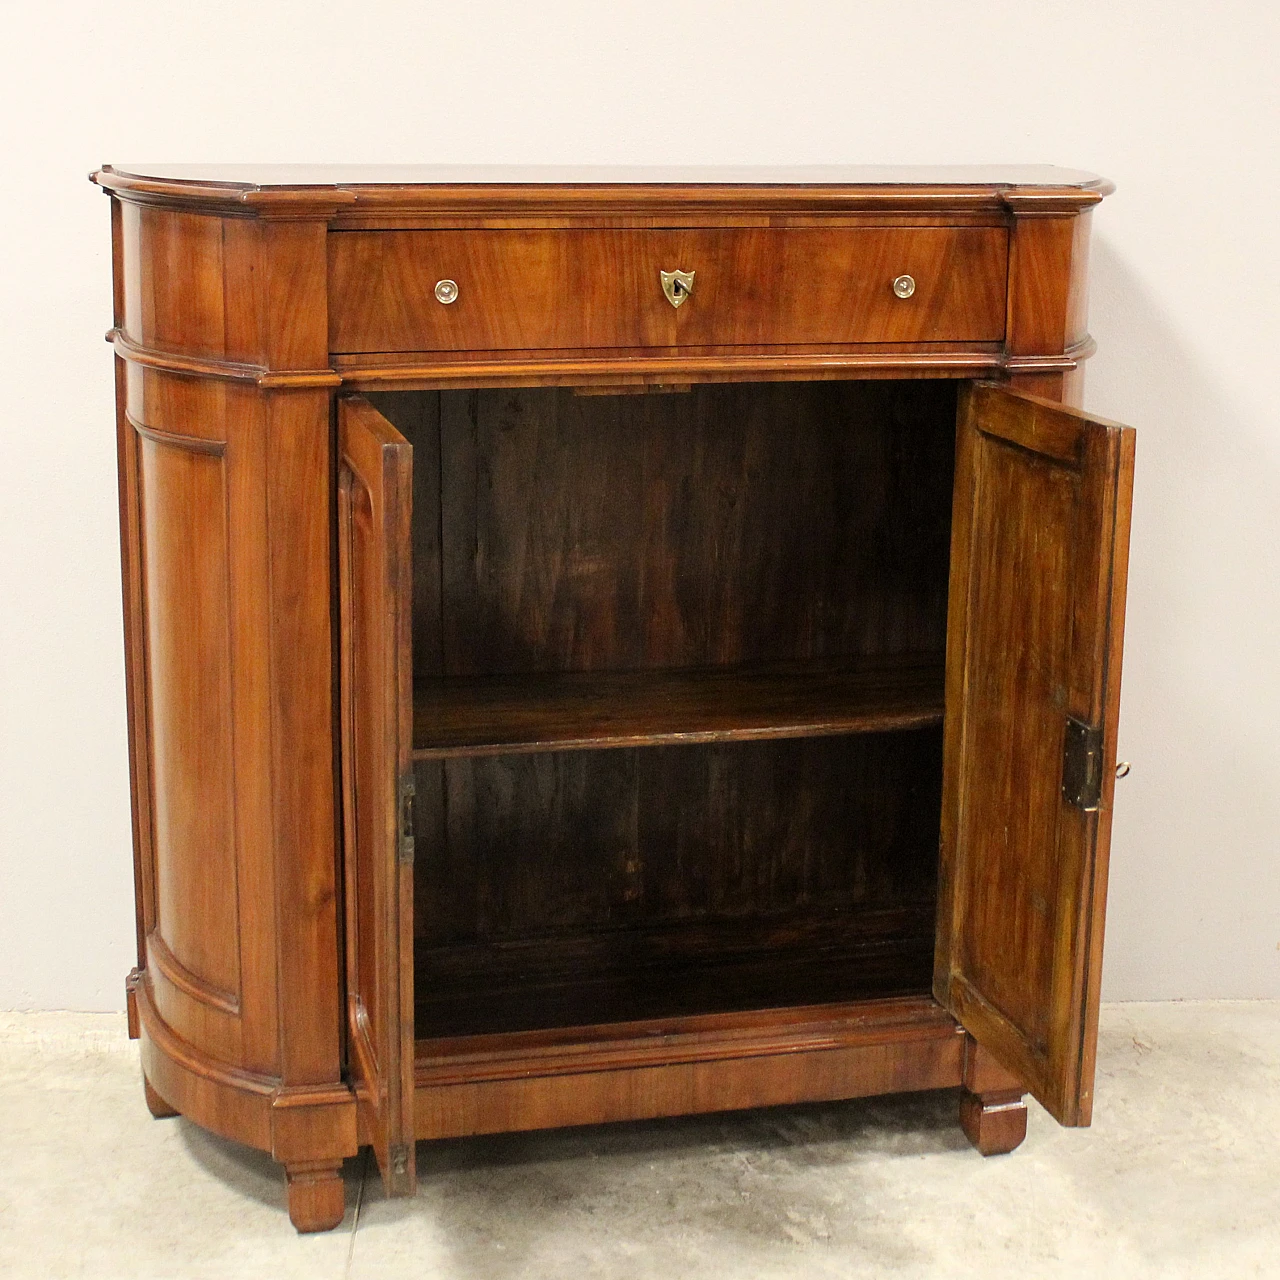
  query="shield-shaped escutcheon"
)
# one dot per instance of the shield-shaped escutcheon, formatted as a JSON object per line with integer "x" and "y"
{"x": 677, "y": 285}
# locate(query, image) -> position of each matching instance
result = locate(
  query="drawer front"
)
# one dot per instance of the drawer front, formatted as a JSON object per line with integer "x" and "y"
{"x": 532, "y": 290}
{"x": 820, "y": 285}
{"x": 517, "y": 290}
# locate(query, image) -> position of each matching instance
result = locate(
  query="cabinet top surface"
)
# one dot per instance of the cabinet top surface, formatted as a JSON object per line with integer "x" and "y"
{"x": 294, "y": 176}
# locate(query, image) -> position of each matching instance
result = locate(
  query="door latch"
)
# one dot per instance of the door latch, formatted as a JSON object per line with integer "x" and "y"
{"x": 406, "y": 788}
{"x": 1082, "y": 765}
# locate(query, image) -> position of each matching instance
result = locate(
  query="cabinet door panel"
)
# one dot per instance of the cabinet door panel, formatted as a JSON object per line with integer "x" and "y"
{"x": 1039, "y": 558}
{"x": 375, "y": 476}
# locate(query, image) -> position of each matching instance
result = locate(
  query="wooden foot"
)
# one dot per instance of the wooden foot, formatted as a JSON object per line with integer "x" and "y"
{"x": 155, "y": 1103}
{"x": 317, "y": 1197}
{"x": 995, "y": 1123}
{"x": 992, "y": 1113}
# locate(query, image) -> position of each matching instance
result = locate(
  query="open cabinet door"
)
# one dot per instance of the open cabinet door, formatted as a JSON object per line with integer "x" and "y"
{"x": 375, "y": 472}
{"x": 1039, "y": 556}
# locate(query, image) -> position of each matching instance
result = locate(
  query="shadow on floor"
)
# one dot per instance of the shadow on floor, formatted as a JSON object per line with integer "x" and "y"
{"x": 528, "y": 1204}
{"x": 254, "y": 1174}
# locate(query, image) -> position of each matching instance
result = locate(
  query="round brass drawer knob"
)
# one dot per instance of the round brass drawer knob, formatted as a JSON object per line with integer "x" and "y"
{"x": 904, "y": 286}
{"x": 446, "y": 291}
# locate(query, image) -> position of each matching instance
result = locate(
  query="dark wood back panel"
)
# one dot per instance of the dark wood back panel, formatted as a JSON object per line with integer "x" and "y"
{"x": 584, "y": 870}
{"x": 722, "y": 525}
{"x": 563, "y": 841}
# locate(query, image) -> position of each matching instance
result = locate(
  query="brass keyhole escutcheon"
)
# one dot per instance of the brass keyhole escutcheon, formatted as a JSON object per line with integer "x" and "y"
{"x": 677, "y": 285}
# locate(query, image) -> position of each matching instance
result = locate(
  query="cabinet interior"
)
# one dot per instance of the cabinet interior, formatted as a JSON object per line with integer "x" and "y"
{"x": 678, "y": 694}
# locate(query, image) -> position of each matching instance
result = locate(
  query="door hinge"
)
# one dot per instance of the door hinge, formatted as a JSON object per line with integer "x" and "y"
{"x": 1082, "y": 765}
{"x": 398, "y": 1154}
{"x": 405, "y": 791}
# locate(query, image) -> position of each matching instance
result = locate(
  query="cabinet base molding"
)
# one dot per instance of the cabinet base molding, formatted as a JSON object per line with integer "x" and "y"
{"x": 683, "y": 1066}
{"x": 295, "y": 1124}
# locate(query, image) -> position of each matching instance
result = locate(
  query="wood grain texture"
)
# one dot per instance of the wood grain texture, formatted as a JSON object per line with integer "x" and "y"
{"x": 517, "y": 289}
{"x": 993, "y": 1113}
{"x": 375, "y": 576}
{"x": 681, "y": 1066}
{"x": 218, "y": 1096}
{"x": 601, "y": 288}
{"x": 291, "y": 1123}
{"x": 417, "y": 418}
{"x": 303, "y": 801}
{"x": 394, "y": 192}
{"x": 745, "y": 828}
{"x": 682, "y": 968}
{"x": 134, "y": 663}
{"x": 158, "y": 1107}
{"x": 1041, "y": 491}
{"x": 835, "y": 285}
{"x": 225, "y": 541}
{"x": 1048, "y": 271}
{"x": 172, "y": 265}
{"x": 786, "y": 262}
{"x": 1112, "y": 589}
{"x": 596, "y": 885}
{"x": 498, "y": 715}
{"x": 641, "y": 367}
{"x": 317, "y": 1196}
{"x": 185, "y": 536}
{"x": 739, "y": 524}
{"x": 194, "y": 630}
{"x": 994, "y": 1123}
{"x": 564, "y": 841}
{"x": 750, "y": 577}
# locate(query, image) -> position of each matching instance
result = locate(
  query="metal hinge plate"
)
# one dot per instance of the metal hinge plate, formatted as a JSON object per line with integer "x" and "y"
{"x": 398, "y": 1181}
{"x": 1082, "y": 765}
{"x": 406, "y": 788}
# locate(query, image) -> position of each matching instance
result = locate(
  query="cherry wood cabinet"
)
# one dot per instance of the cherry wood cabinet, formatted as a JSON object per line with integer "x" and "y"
{"x": 611, "y": 644}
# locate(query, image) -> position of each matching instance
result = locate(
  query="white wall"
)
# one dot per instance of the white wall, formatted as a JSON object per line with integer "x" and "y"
{"x": 1177, "y": 103}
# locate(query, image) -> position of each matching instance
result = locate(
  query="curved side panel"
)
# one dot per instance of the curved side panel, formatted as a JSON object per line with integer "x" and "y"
{"x": 225, "y": 511}
{"x": 175, "y": 270}
{"x": 219, "y": 1097}
{"x": 186, "y": 582}
{"x": 1048, "y": 296}
{"x": 298, "y": 1124}
{"x": 198, "y": 623}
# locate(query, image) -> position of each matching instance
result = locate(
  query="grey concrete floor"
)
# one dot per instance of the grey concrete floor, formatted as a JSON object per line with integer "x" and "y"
{"x": 1179, "y": 1177}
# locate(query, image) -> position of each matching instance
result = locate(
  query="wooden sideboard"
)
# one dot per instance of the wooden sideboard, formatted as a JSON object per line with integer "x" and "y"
{"x": 611, "y": 644}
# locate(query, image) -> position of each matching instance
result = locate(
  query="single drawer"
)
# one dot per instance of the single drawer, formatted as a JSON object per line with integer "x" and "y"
{"x": 573, "y": 289}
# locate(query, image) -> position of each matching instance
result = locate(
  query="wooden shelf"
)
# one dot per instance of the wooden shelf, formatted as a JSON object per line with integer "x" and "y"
{"x": 444, "y": 1060}
{"x": 497, "y": 715}
{"x": 674, "y": 969}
